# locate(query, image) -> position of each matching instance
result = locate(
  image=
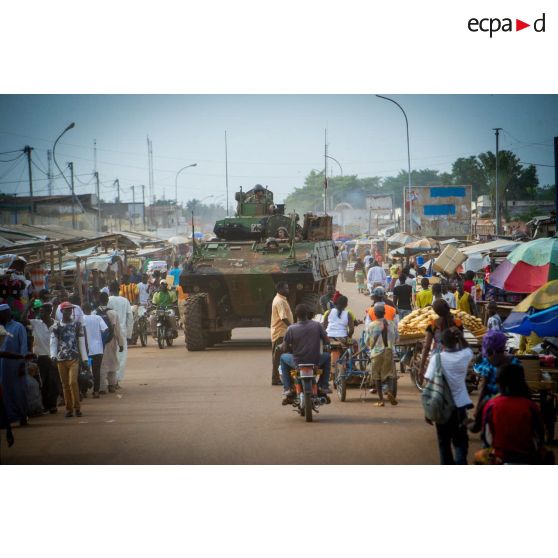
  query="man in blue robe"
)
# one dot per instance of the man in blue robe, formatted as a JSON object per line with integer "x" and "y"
{"x": 12, "y": 367}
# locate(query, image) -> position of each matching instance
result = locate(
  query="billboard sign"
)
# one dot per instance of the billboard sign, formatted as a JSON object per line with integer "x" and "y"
{"x": 439, "y": 211}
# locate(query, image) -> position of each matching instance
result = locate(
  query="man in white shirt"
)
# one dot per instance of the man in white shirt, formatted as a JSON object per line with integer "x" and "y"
{"x": 448, "y": 296}
{"x": 376, "y": 277}
{"x": 121, "y": 306}
{"x": 94, "y": 327}
{"x": 144, "y": 290}
{"x": 50, "y": 387}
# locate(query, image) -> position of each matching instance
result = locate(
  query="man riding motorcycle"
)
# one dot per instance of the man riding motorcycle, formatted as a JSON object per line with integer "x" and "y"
{"x": 302, "y": 346}
{"x": 163, "y": 298}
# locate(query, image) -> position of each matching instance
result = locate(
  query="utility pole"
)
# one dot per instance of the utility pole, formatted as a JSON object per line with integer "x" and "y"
{"x": 143, "y": 201}
{"x": 497, "y": 194}
{"x": 49, "y": 172}
{"x": 71, "y": 165}
{"x": 27, "y": 151}
{"x": 150, "y": 163}
{"x": 98, "y": 192}
{"x": 226, "y": 173}
{"x": 119, "y": 206}
{"x": 133, "y": 212}
{"x": 325, "y": 172}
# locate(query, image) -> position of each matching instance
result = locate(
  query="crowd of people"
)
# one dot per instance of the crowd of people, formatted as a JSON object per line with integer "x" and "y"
{"x": 58, "y": 348}
{"x": 503, "y": 398}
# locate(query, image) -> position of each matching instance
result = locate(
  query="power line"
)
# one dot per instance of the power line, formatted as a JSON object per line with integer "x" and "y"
{"x": 85, "y": 183}
{"x": 536, "y": 164}
{"x": 10, "y": 160}
{"x": 39, "y": 168}
{"x": 10, "y": 168}
{"x": 36, "y": 179}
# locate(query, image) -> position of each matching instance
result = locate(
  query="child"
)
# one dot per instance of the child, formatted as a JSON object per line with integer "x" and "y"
{"x": 494, "y": 319}
{"x": 424, "y": 297}
{"x": 360, "y": 277}
{"x": 464, "y": 300}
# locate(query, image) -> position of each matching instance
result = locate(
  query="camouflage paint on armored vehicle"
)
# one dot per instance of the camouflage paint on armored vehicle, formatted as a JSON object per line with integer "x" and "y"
{"x": 231, "y": 280}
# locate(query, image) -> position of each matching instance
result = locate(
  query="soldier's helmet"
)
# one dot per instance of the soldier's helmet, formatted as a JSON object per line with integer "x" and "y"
{"x": 259, "y": 188}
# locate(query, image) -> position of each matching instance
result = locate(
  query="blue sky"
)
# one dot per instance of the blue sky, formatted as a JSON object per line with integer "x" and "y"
{"x": 273, "y": 139}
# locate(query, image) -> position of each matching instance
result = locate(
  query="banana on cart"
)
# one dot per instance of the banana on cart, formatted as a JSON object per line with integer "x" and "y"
{"x": 416, "y": 322}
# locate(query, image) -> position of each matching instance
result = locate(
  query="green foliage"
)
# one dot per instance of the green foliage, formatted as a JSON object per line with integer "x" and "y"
{"x": 515, "y": 182}
{"x": 206, "y": 213}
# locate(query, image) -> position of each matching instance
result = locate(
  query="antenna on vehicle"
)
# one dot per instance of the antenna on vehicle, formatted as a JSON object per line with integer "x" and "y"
{"x": 193, "y": 235}
{"x": 292, "y": 253}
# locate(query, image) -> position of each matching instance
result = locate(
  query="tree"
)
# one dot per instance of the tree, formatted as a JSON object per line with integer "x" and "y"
{"x": 469, "y": 170}
{"x": 514, "y": 180}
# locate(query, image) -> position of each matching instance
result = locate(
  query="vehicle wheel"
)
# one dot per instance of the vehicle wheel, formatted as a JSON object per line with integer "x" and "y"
{"x": 161, "y": 337}
{"x": 193, "y": 323}
{"x": 308, "y": 408}
{"x": 312, "y": 300}
{"x": 395, "y": 382}
{"x": 143, "y": 334}
{"x": 414, "y": 369}
{"x": 342, "y": 388}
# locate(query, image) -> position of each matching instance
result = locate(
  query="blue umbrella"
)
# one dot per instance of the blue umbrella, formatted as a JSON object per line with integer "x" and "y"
{"x": 543, "y": 323}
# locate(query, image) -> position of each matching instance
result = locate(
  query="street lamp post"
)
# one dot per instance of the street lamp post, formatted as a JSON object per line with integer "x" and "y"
{"x": 408, "y": 162}
{"x": 176, "y": 190}
{"x": 334, "y": 159}
{"x": 69, "y": 127}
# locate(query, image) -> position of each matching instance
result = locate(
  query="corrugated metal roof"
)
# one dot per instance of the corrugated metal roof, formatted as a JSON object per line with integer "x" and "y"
{"x": 501, "y": 244}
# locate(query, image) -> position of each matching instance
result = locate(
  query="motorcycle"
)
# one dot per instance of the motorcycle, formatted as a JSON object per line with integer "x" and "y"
{"x": 141, "y": 326}
{"x": 166, "y": 332}
{"x": 306, "y": 399}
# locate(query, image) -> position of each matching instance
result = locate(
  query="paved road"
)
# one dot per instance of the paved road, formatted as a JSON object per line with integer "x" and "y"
{"x": 218, "y": 407}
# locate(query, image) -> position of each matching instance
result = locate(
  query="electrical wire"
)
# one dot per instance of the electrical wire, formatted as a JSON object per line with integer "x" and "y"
{"x": 13, "y": 159}
{"x": 524, "y": 143}
{"x": 9, "y": 169}
{"x": 38, "y": 168}
{"x": 85, "y": 183}
{"x": 536, "y": 164}
{"x": 39, "y": 179}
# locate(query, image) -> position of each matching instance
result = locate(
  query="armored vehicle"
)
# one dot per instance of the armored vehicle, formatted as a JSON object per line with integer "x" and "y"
{"x": 231, "y": 279}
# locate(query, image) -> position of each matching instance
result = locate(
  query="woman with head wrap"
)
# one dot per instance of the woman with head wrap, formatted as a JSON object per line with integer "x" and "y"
{"x": 494, "y": 357}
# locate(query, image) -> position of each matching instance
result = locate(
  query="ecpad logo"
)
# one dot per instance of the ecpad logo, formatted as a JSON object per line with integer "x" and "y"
{"x": 493, "y": 25}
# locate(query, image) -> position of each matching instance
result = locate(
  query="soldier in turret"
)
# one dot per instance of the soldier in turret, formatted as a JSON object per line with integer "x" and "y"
{"x": 258, "y": 195}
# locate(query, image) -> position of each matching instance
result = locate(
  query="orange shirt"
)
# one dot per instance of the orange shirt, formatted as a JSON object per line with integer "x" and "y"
{"x": 390, "y": 312}
{"x": 181, "y": 294}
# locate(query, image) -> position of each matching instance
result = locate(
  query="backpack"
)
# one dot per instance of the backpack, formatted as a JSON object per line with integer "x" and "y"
{"x": 107, "y": 335}
{"x": 437, "y": 400}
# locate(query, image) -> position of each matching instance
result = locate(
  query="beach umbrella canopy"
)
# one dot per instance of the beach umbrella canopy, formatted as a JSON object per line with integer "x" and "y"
{"x": 542, "y": 299}
{"x": 544, "y": 323}
{"x": 528, "y": 267}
